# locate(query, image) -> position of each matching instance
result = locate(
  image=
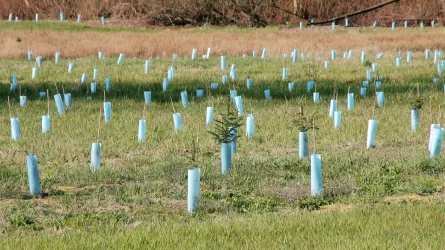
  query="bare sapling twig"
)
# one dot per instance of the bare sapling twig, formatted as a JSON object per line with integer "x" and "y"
{"x": 173, "y": 106}
{"x": 98, "y": 128}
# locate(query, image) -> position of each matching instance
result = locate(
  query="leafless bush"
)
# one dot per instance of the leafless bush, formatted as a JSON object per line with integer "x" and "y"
{"x": 247, "y": 13}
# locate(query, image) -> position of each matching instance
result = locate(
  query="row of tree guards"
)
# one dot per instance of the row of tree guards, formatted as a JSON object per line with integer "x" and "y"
{"x": 226, "y": 127}
{"x": 61, "y": 18}
{"x": 37, "y": 19}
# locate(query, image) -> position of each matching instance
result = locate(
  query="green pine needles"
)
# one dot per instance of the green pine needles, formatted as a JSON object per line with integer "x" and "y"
{"x": 226, "y": 127}
{"x": 304, "y": 122}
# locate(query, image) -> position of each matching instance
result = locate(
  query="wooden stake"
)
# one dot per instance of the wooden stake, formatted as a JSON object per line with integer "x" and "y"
{"x": 105, "y": 99}
{"x": 47, "y": 95}
{"x": 143, "y": 111}
{"x": 174, "y": 111}
{"x": 63, "y": 90}
{"x": 98, "y": 128}
{"x": 57, "y": 89}
{"x": 373, "y": 111}
{"x": 313, "y": 128}
{"x": 439, "y": 116}
{"x": 9, "y": 106}
{"x": 20, "y": 90}
{"x": 431, "y": 110}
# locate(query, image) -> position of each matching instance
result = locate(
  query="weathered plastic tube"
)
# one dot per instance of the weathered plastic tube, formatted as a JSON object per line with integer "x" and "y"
{"x": 264, "y": 55}
{"x": 437, "y": 141}
{"x": 239, "y": 105}
{"x": 57, "y": 57}
{"x": 93, "y": 87}
{"x": 337, "y": 119}
{"x": 147, "y": 97}
{"x": 33, "y": 175}
{"x": 34, "y": 73}
{"x": 432, "y": 131}
{"x": 95, "y": 73}
{"x": 350, "y": 101}
{"x": 332, "y": 108}
{"x": 83, "y": 80}
{"x": 209, "y": 115}
{"x": 199, "y": 93}
{"x": 59, "y": 104}
{"x": 414, "y": 119}
{"x": 333, "y": 55}
{"x": 120, "y": 60}
{"x": 22, "y": 100}
{"x": 177, "y": 122}
{"x": 409, "y": 56}
{"x": 398, "y": 62}
{"x": 193, "y": 189}
{"x": 233, "y": 95}
{"x": 249, "y": 83}
{"x": 250, "y": 126}
{"x": 295, "y": 56}
{"x": 164, "y": 84}
{"x": 372, "y": 129}
{"x": 223, "y": 63}
{"x": 141, "y": 130}
{"x": 290, "y": 86}
{"x": 267, "y": 94}
{"x": 107, "y": 84}
{"x": 316, "y": 175}
{"x": 184, "y": 99}
{"x": 380, "y": 98}
{"x": 45, "y": 124}
{"x": 284, "y": 77}
{"x": 226, "y": 157}
{"x": 194, "y": 54}
{"x": 224, "y": 79}
{"x": 68, "y": 100}
{"x": 95, "y": 156}
{"x": 303, "y": 144}
{"x": 316, "y": 97}
{"x": 310, "y": 85}
{"x": 107, "y": 111}
{"x": 15, "y": 129}
{"x": 363, "y": 57}
{"x": 363, "y": 91}
{"x": 70, "y": 68}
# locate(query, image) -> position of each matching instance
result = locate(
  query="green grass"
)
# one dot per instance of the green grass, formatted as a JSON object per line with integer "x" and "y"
{"x": 138, "y": 197}
{"x": 397, "y": 226}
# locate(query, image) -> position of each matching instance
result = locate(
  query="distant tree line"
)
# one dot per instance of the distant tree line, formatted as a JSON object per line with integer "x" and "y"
{"x": 245, "y": 13}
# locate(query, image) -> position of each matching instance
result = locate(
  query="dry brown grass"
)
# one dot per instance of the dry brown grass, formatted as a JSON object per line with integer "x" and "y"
{"x": 225, "y": 41}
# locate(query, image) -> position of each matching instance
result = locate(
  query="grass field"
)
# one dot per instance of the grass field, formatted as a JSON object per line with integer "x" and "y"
{"x": 390, "y": 196}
